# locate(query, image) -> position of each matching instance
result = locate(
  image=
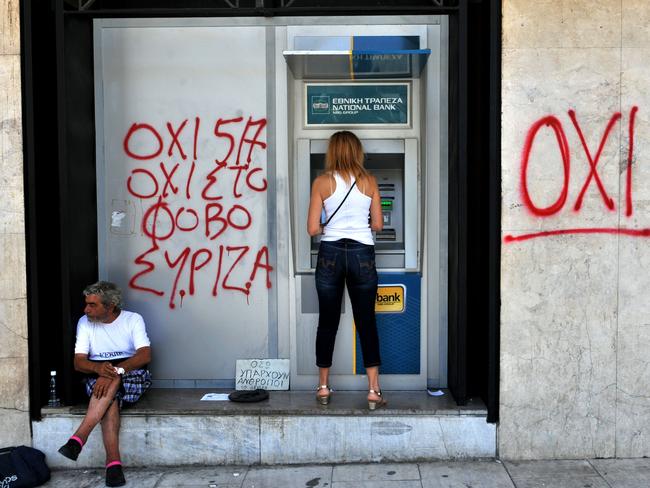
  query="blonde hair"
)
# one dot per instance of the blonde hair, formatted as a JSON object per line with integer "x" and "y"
{"x": 345, "y": 156}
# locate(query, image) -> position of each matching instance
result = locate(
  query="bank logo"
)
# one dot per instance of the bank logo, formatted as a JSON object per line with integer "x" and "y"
{"x": 390, "y": 298}
{"x": 320, "y": 104}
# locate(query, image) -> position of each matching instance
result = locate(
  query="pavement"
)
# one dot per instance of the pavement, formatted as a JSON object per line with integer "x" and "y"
{"x": 586, "y": 473}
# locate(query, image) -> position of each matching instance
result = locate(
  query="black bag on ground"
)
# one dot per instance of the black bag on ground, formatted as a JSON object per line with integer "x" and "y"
{"x": 247, "y": 396}
{"x": 22, "y": 467}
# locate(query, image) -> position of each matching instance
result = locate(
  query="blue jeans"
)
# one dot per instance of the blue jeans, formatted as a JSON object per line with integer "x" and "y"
{"x": 340, "y": 263}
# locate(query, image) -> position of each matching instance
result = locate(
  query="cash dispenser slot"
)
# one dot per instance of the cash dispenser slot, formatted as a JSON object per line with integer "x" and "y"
{"x": 386, "y": 235}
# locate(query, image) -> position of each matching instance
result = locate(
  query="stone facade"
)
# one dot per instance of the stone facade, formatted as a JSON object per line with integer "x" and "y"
{"x": 575, "y": 317}
{"x": 575, "y": 378}
{"x": 14, "y": 390}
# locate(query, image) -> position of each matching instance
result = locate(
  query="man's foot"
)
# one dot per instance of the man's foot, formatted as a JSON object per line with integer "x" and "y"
{"x": 115, "y": 475}
{"x": 71, "y": 449}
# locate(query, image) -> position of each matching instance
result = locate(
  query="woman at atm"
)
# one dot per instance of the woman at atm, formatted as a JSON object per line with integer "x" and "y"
{"x": 349, "y": 196}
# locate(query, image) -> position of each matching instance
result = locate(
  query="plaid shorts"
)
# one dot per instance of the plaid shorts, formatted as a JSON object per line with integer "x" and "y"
{"x": 134, "y": 384}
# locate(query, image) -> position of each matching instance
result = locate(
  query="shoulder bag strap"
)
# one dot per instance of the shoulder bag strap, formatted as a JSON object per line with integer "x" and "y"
{"x": 324, "y": 224}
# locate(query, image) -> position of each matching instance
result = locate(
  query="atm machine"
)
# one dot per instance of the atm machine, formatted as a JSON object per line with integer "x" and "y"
{"x": 387, "y": 160}
{"x": 394, "y": 163}
{"x": 330, "y": 93}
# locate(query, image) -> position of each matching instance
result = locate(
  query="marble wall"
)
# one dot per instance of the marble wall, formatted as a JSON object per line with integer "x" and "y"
{"x": 14, "y": 391}
{"x": 575, "y": 331}
{"x": 575, "y": 314}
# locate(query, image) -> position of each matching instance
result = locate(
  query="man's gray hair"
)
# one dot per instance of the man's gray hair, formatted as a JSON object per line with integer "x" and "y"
{"x": 107, "y": 292}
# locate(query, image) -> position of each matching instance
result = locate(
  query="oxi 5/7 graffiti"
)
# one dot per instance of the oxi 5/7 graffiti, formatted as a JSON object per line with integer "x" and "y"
{"x": 171, "y": 209}
{"x": 593, "y": 177}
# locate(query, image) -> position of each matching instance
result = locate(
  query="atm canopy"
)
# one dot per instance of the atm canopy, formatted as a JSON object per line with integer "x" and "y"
{"x": 356, "y": 57}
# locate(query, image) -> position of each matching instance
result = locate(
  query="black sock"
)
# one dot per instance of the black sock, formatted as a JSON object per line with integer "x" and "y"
{"x": 71, "y": 449}
{"x": 115, "y": 476}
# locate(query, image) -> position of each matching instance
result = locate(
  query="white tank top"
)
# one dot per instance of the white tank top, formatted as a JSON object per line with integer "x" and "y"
{"x": 351, "y": 221}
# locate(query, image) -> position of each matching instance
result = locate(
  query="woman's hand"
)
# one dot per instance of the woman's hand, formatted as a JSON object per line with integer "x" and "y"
{"x": 376, "y": 215}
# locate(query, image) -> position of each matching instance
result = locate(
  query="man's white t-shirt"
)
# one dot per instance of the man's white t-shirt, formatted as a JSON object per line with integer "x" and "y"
{"x": 105, "y": 342}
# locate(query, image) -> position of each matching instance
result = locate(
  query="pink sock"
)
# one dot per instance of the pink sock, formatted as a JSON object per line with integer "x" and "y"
{"x": 81, "y": 443}
{"x": 114, "y": 463}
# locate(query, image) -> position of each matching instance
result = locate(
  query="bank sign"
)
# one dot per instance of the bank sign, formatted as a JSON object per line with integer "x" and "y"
{"x": 390, "y": 298}
{"x": 385, "y": 104}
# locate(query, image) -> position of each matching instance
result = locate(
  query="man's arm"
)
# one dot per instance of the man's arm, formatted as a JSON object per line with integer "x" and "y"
{"x": 84, "y": 365}
{"x": 141, "y": 358}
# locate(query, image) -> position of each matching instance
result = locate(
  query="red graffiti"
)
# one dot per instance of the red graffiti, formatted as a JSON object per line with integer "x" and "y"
{"x": 173, "y": 213}
{"x": 260, "y": 124}
{"x": 172, "y": 263}
{"x": 150, "y": 177}
{"x": 135, "y": 128}
{"x": 594, "y": 161}
{"x": 212, "y": 180}
{"x": 555, "y": 124}
{"x": 563, "y": 145}
{"x": 630, "y": 158}
{"x": 592, "y": 230}
{"x": 148, "y": 268}
{"x": 175, "y": 141}
{"x": 226, "y": 135}
{"x": 168, "y": 179}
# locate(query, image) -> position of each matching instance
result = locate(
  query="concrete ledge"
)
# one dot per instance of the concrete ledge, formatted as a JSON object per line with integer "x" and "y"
{"x": 290, "y": 440}
{"x": 158, "y": 440}
{"x": 289, "y": 429}
{"x": 246, "y": 440}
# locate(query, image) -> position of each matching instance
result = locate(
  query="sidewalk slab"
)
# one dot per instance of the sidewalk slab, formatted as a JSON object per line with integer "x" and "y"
{"x": 95, "y": 478}
{"x": 218, "y": 476}
{"x": 289, "y": 477}
{"x": 601, "y": 473}
{"x": 556, "y": 474}
{"x": 377, "y": 484}
{"x": 624, "y": 473}
{"x": 483, "y": 474}
{"x": 376, "y": 472}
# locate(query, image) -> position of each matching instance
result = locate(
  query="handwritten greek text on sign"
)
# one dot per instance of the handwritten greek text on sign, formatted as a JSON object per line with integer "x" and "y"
{"x": 269, "y": 374}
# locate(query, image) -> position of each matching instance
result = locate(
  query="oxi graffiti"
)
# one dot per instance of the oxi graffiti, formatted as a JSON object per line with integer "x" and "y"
{"x": 592, "y": 154}
{"x": 168, "y": 183}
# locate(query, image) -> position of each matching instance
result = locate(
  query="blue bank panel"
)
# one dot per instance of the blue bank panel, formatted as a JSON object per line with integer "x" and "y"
{"x": 399, "y": 332}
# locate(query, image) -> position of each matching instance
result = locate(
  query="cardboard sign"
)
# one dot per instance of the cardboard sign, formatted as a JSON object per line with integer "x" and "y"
{"x": 269, "y": 374}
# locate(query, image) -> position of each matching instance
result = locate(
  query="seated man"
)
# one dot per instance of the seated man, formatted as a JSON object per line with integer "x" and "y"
{"x": 113, "y": 349}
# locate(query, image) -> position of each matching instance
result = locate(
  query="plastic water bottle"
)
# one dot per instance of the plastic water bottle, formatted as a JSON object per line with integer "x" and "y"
{"x": 53, "y": 401}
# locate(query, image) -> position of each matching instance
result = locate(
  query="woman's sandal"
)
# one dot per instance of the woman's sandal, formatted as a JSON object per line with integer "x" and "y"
{"x": 374, "y": 404}
{"x": 323, "y": 399}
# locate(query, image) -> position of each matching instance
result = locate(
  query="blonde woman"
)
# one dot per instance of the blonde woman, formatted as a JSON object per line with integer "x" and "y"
{"x": 350, "y": 197}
